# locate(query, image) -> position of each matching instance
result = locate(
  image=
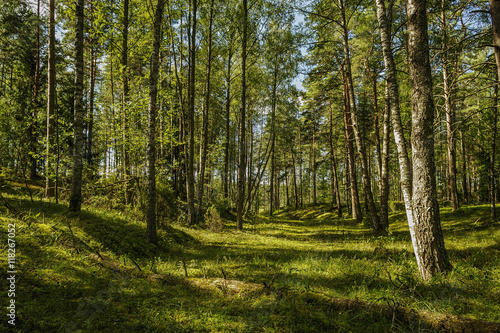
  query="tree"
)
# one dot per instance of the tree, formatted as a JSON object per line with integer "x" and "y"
{"x": 75, "y": 202}
{"x": 125, "y": 100}
{"x": 191, "y": 218}
{"x": 51, "y": 101}
{"x": 495, "y": 21}
{"x": 355, "y": 125}
{"x": 450, "y": 112}
{"x": 428, "y": 239}
{"x": 241, "y": 129}
{"x": 204, "y": 133}
{"x": 151, "y": 150}
{"x": 383, "y": 15}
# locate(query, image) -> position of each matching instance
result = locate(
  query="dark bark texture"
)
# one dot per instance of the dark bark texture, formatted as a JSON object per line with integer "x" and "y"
{"x": 429, "y": 246}
{"x": 75, "y": 201}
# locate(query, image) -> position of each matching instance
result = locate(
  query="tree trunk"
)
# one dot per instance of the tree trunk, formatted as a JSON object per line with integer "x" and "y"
{"x": 33, "y": 122}
{"x": 335, "y": 186}
{"x": 300, "y": 169}
{"x": 492, "y": 186}
{"x": 384, "y": 174}
{"x": 90, "y": 123}
{"x": 241, "y": 136}
{"x": 204, "y": 133}
{"x": 51, "y": 102}
{"x": 295, "y": 190}
{"x": 151, "y": 146}
{"x": 125, "y": 99}
{"x": 450, "y": 115}
{"x": 191, "y": 218}
{"x": 430, "y": 250}
{"x": 355, "y": 206}
{"x": 273, "y": 138}
{"x": 464, "y": 169}
{"x": 75, "y": 201}
{"x": 495, "y": 20}
{"x": 228, "y": 119}
{"x": 359, "y": 144}
{"x": 385, "y": 19}
{"x": 314, "y": 164}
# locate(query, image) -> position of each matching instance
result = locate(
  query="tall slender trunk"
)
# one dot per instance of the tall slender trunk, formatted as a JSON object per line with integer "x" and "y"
{"x": 353, "y": 184}
{"x": 273, "y": 137}
{"x": 464, "y": 169}
{"x": 354, "y": 117}
{"x": 384, "y": 159}
{"x": 430, "y": 249}
{"x": 300, "y": 169}
{"x": 385, "y": 21}
{"x": 151, "y": 146}
{"x": 492, "y": 185}
{"x": 450, "y": 114}
{"x": 204, "y": 131}
{"x": 286, "y": 181}
{"x": 181, "y": 116}
{"x": 374, "y": 76}
{"x": 125, "y": 100}
{"x": 33, "y": 126}
{"x": 90, "y": 122}
{"x": 51, "y": 102}
{"x": 495, "y": 19}
{"x": 228, "y": 118}
{"x": 191, "y": 219}
{"x": 335, "y": 185}
{"x": 75, "y": 201}
{"x": 241, "y": 136}
{"x": 295, "y": 190}
{"x": 313, "y": 162}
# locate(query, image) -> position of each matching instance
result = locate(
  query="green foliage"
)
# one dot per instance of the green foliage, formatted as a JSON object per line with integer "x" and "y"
{"x": 396, "y": 206}
{"x": 213, "y": 220}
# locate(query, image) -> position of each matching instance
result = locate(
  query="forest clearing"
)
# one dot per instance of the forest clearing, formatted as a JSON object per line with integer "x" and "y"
{"x": 301, "y": 270}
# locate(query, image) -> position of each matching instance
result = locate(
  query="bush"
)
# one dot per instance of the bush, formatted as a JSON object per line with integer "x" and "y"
{"x": 396, "y": 206}
{"x": 213, "y": 220}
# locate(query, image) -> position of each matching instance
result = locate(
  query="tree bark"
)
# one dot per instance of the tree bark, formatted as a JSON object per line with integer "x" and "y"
{"x": 191, "y": 213}
{"x": 241, "y": 131}
{"x": 151, "y": 146}
{"x": 300, "y": 168}
{"x": 495, "y": 20}
{"x": 384, "y": 159}
{"x": 228, "y": 118}
{"x": 464, "y": 169}
{"x": 75, "y": 201}
{"x": 295, "y": 189}
{"x": 385, "y": 19}
{"x": 90, "y": 121}
{"x": 204, "y": 132}
{"x": 335, "y": 186}
{"x": 125, "y": 100}
{"x": 450, "y": 114}
{"x": 355, "y": 206}
{"x": 430, "y": 249}
{"x": 33, "y": 122}
{"x": 492, "y": 187}
{"x": 51, "y": 102}
{"x": 375, "y": 221}
{"x": 273, "y": 138}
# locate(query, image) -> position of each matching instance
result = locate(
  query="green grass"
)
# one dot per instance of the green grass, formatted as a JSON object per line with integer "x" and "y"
{"x": 293, "y": 267}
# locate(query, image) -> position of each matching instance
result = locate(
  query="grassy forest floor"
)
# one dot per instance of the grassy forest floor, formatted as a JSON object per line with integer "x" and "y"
{"x": 299, "y": 271}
